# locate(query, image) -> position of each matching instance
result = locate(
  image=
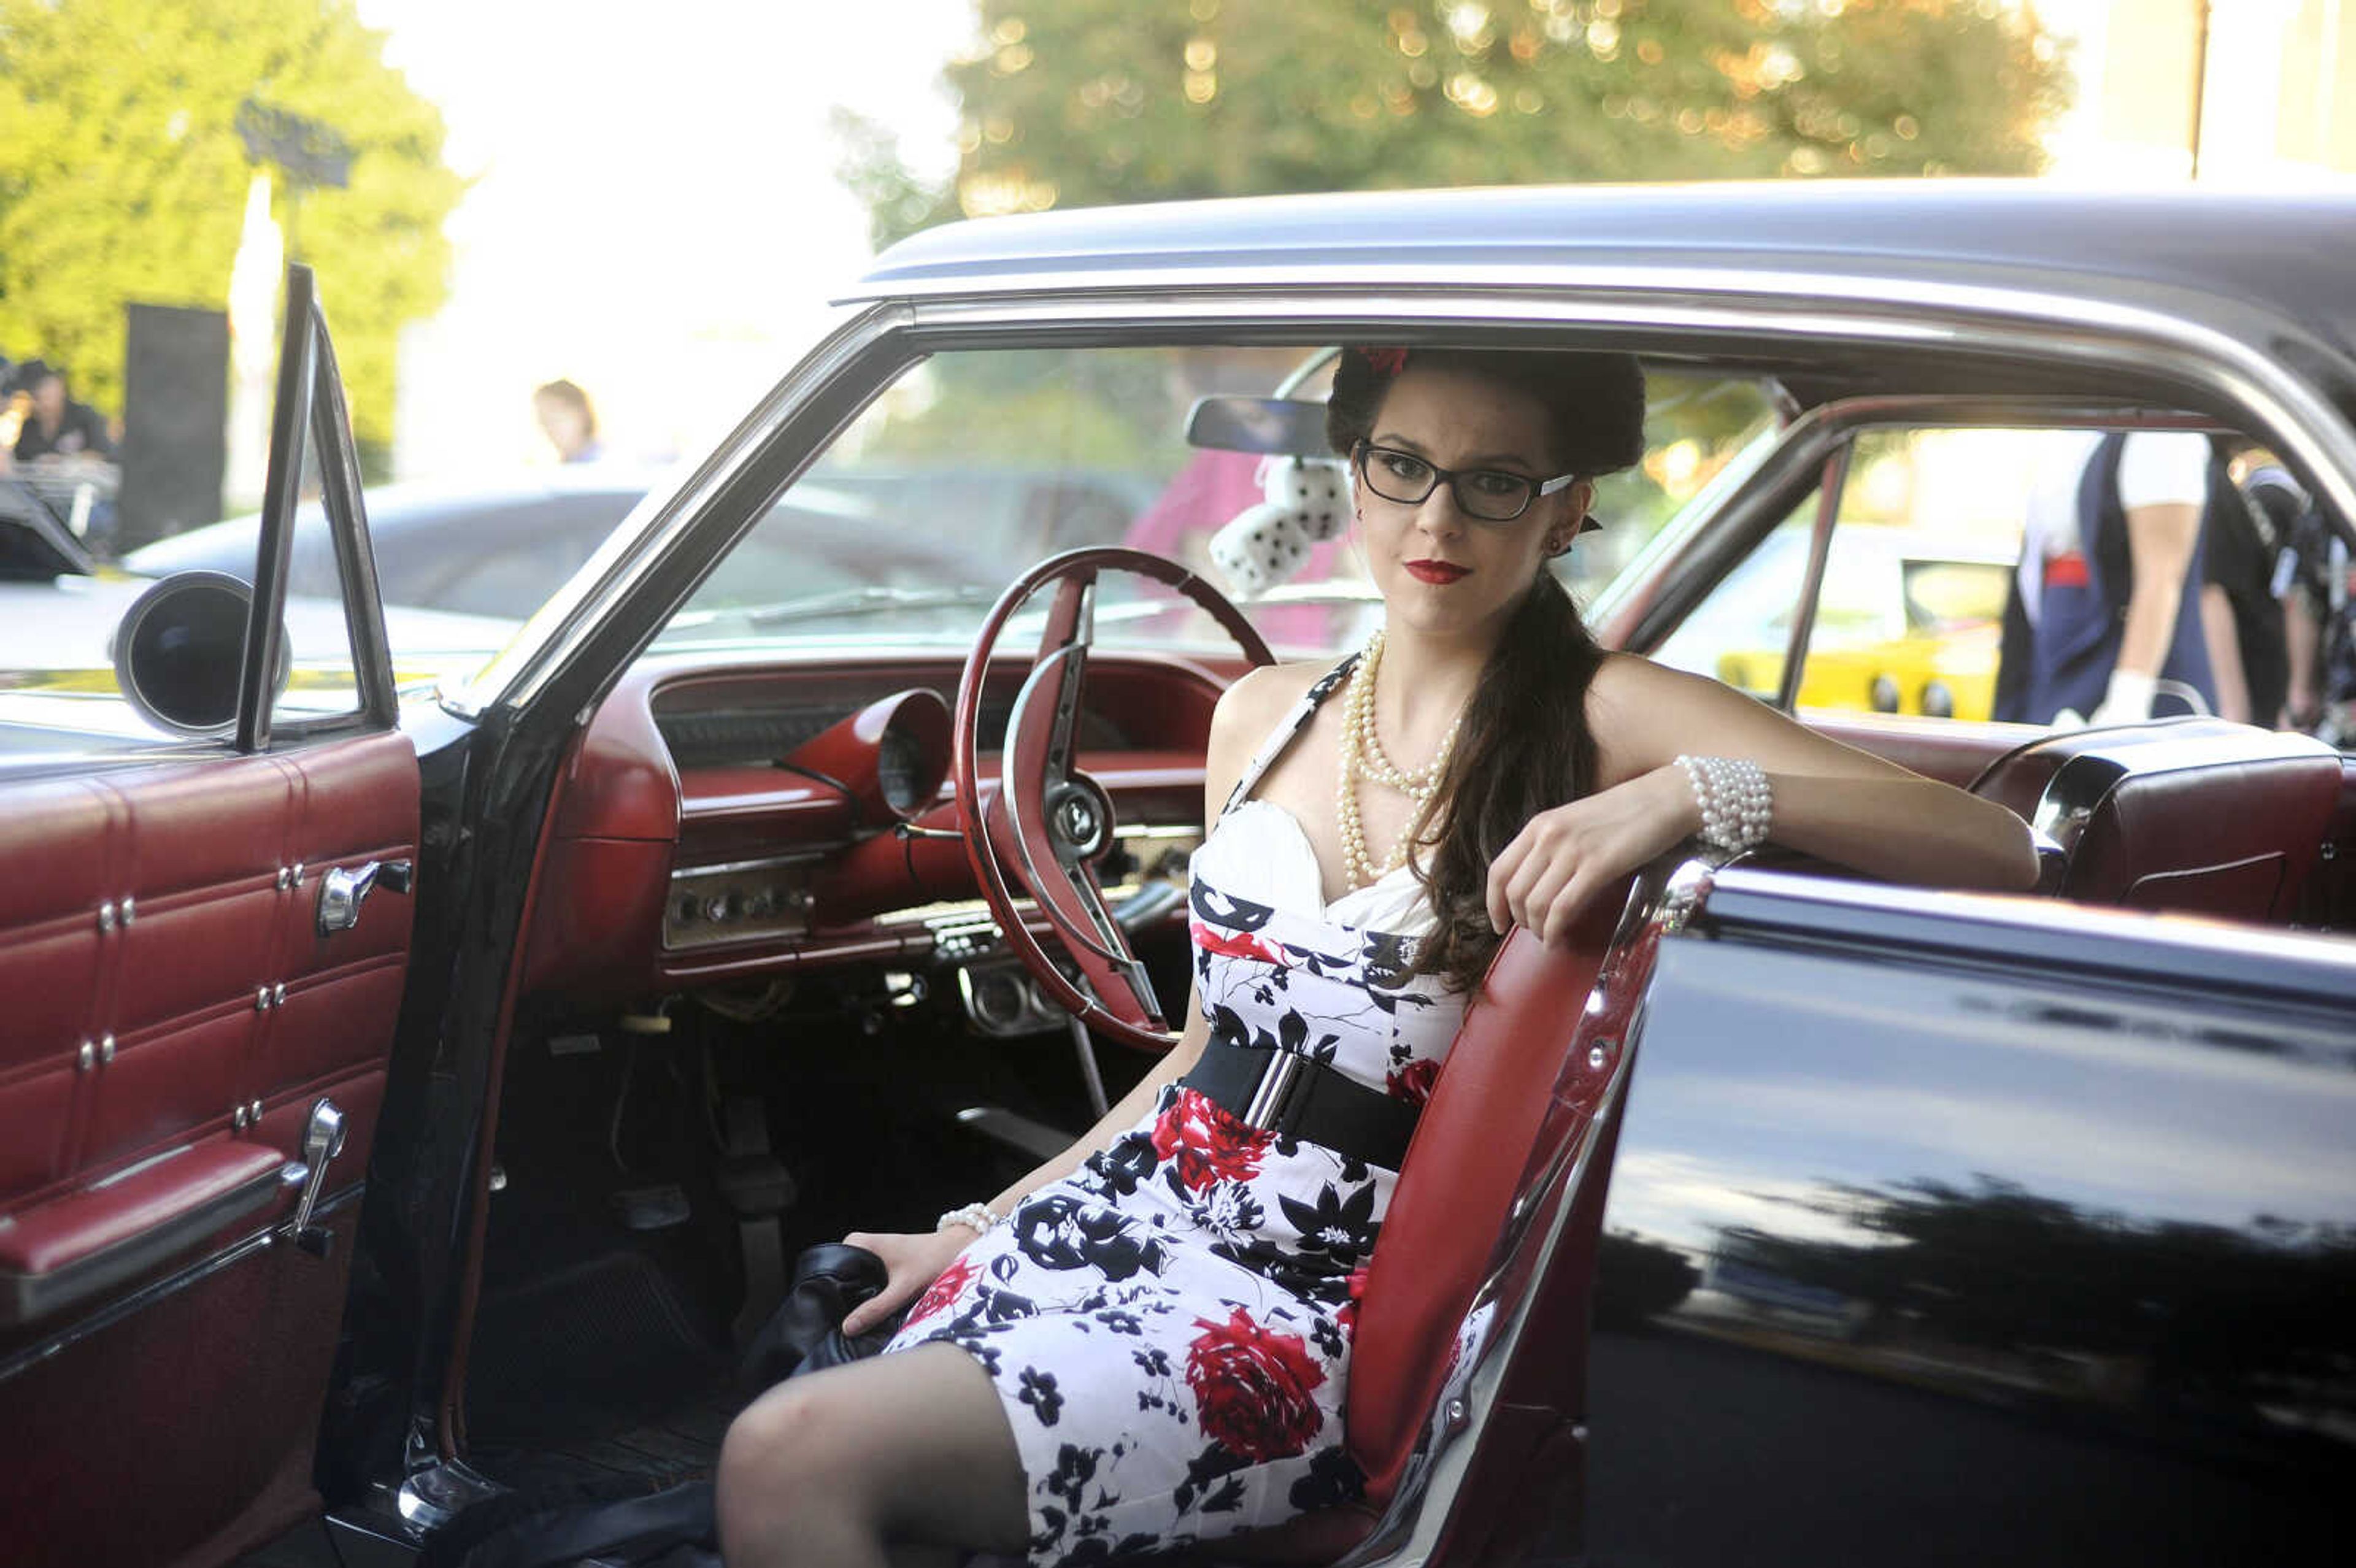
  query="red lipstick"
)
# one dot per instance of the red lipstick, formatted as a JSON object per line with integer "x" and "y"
{"x": 1440, "y": 571}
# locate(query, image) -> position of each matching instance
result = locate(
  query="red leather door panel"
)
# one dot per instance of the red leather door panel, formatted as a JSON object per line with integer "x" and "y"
{"x": 169, "y": 1016}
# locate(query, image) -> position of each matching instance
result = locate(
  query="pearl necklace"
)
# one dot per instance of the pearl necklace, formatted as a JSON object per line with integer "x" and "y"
{"x": 1363, "y": 757}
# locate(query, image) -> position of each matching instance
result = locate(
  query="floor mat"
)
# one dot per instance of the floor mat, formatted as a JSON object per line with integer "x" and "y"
{"x": 598, "y": 1348}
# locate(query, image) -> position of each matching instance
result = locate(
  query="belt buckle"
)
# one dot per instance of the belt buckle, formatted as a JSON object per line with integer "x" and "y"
{"x": 1271, "y": 1098}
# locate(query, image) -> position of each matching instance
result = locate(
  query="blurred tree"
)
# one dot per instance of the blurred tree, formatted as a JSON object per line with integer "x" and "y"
{"x": 1076, "y": 103}
{"x": 122, "y": 176}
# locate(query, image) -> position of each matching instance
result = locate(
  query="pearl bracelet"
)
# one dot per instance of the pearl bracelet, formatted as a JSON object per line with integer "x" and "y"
{"x": 1737, "y": 808}
{"x": 979, "y": 1217}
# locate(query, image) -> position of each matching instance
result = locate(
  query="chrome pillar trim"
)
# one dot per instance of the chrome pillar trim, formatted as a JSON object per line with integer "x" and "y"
{"x": 434, "y": 1491}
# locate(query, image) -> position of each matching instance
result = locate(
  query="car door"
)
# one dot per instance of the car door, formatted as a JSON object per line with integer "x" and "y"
{"x": 202, "y": 952}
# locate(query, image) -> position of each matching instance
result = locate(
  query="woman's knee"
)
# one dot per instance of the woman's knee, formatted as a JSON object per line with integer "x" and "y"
{"x": 777, "y": 1458}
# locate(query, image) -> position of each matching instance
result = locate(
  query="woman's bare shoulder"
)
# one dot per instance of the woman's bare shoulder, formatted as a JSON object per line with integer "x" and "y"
{"x": 1628, "y": 683}
{"x": 1636, "y": 707}
{"x": 1259, "y": 697}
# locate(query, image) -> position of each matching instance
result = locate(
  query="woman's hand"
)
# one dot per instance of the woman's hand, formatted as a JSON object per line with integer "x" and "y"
{"x": 910, "y": 1263}
{"x": 1563, "y": 857}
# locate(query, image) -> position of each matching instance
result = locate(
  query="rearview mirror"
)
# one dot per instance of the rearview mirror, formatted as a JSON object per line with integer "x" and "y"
{"x": 1272, "y": 427}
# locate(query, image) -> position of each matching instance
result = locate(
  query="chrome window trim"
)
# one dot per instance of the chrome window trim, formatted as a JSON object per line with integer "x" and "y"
{"x": 1759, "y": 307}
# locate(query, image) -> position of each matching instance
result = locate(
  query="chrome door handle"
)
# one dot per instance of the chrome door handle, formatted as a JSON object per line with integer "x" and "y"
{"x": 344, "y": 888}
{"x": 323, "y": 1140}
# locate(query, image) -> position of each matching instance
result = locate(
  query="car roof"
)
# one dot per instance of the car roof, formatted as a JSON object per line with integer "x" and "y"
{"x": 2227, "y": 260}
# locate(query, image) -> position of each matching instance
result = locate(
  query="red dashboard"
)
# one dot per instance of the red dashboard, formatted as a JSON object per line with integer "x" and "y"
{"x": 685, "y": 850}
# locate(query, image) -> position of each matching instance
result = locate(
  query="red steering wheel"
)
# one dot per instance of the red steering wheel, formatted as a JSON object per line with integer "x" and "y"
{"x": 1041, "y": 831}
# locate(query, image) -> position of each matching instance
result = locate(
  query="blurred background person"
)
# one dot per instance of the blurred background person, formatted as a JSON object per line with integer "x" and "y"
{"x": 57, "y": 426}
{"x": 568, "y": 420}
{"x": 2313, "y": 579}
{"x": 2241, "y": 613}
{"x": 2106, "y": 602}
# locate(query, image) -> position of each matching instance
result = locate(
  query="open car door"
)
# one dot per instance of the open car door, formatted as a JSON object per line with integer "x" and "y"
{"x": 202, "y": 950}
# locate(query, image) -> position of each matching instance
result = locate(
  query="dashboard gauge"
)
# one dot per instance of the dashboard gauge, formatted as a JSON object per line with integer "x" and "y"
{"x": 901, "y": 775}
{"x": 890, "y": 757}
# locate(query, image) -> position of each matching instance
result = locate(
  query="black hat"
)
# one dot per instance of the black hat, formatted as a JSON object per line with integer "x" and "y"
{"x": 28, "y": 375}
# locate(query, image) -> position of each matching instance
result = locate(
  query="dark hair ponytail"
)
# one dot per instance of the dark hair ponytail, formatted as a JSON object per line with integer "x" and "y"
{"x": 1524, "y": 746}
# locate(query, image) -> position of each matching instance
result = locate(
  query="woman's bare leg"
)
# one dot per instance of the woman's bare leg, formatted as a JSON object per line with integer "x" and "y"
{"x": 910, "y": 1449}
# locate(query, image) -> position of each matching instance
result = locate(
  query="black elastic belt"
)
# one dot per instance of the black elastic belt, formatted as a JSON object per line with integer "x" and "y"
{"x": 1296, "y": 1096}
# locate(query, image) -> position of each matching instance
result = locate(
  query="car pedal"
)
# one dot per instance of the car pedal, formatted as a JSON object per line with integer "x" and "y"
{"x": 1016, "y": 1131}
{"x": 655, "y": 1208}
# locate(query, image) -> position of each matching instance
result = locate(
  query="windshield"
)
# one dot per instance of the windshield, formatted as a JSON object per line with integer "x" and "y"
{"x": 975, "y": 467}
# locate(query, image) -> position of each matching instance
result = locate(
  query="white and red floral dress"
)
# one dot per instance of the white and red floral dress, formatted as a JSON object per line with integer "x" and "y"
{"x": 1169, "y": 1326}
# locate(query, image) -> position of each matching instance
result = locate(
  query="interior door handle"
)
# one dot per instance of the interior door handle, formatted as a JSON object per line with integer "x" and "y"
{"x": 344, "y": 888}
{"x": 323, "y": 1140}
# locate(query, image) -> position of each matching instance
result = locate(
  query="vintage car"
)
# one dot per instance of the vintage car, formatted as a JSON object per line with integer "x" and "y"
{"x": 407, "y": 1105}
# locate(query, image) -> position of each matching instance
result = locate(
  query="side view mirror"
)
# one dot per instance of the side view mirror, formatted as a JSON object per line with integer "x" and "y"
{"x": 177, "y": 652}
{"x": 1272, "y": 427}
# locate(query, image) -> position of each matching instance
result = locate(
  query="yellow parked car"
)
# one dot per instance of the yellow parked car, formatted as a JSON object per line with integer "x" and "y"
{"x": 1904, "y": 625}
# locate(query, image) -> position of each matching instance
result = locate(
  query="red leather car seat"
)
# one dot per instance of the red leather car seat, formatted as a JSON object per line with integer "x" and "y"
{"x": 1498, "y": 1098}
{"x": 2197, "y": 815}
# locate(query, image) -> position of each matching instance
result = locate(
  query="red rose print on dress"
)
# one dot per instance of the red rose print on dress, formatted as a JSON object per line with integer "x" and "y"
{"x": 1210, "y": 1145}
{"x": 1233, "y": 944}
{"x": 1252, "y": 1388}
{"x": 1413, "y": 1082}
{"x": 942, "y": 1291}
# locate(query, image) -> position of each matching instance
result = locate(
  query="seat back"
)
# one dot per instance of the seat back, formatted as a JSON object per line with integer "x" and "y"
{"x": 1475, "y": 1141}
{"x": 2196, "y": 815}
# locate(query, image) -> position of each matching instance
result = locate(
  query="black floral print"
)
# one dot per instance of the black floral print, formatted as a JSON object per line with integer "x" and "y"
{"x": 1169, "y": 1326}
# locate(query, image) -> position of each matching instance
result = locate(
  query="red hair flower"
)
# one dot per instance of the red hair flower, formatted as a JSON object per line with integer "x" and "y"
{"x": 1386, "y": 361}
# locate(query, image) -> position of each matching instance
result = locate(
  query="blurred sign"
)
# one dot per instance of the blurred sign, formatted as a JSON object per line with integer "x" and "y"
{"x": 308, "y": 150}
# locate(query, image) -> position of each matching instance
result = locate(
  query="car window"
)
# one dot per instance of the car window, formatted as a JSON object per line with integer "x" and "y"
{"x": 1922, "y": 558}
{"x": 977, "y": 466}
{"x": 1741, "y": 629}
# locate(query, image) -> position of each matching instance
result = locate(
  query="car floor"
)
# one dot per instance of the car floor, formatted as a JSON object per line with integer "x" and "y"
{"x": 604, "y": 1353}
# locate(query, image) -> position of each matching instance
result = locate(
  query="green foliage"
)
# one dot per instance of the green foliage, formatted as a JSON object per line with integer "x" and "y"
{"x": 1076, "y": 103}
{"x": 123, "y": 178}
